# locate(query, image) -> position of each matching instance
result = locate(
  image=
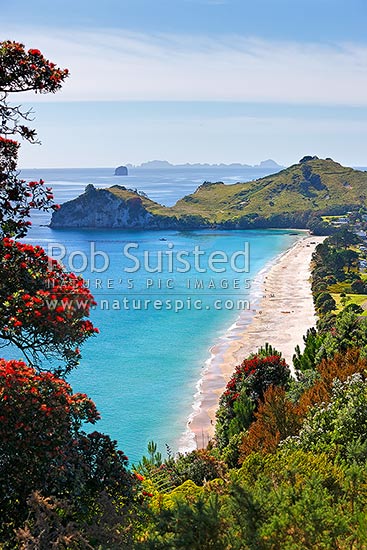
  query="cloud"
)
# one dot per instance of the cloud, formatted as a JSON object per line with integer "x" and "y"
{"x": 122, "y": 66}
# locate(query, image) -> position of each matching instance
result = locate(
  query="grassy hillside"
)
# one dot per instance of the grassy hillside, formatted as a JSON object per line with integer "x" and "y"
{"x": 317, "y": 185}
{"x": 150, "y": 205}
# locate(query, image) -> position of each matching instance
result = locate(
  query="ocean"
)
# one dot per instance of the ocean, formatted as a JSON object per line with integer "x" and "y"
{"x": 158, "y": 316}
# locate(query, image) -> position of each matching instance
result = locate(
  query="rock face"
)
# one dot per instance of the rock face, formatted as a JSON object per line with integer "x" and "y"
{"x": 121, "y": 171}
{"x": 101, "y": 208}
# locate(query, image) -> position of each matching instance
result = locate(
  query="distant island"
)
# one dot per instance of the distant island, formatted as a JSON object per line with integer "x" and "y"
{"x": 296, "y": 197}
{"x": 165, "y": 165}
{"x": 121, "y": 171}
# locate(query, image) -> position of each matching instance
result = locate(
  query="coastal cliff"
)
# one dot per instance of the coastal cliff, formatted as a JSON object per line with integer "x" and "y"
{"x": 101, "y": 208}
{"x": 118, "y": 208}
{"x": 296, "y": 197}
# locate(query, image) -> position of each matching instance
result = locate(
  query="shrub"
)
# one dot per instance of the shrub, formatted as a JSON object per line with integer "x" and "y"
{"x": 276, "y": 419}
{"x": 198, "y": 466}
{"x": 332, "y": 427}
{"x": 244, "y": 391}
{"x": 358, "y": 287}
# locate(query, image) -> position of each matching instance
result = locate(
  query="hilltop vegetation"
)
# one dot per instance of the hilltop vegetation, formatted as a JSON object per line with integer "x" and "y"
{"x": 312, "y": 185}
{"x": 295, "y": 197}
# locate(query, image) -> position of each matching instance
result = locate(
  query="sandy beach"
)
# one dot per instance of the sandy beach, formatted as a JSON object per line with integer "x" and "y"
{"x": 281, "y": 317}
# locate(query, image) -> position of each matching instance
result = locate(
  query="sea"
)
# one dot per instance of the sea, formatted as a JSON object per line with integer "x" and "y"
{"x": 161, "y": 305}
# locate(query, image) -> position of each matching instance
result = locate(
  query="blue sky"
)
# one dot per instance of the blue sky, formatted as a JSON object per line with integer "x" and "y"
{"x": 197, "y": 80}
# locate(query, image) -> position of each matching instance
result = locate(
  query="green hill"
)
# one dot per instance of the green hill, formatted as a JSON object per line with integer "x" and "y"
{"x": 312, "y": 185}
{"x": 295, "y": 197}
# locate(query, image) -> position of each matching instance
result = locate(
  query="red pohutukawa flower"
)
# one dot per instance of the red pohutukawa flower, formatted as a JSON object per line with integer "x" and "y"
{"x": 23, "y": 70}
{"x": 254, "y": 376}
{"x": 43, "y": 309}
{"x": 17, "y": 197}
{"x": 43, "y": 446}
{"x": 20, "y": 71}
{"x": 29, "y": 399}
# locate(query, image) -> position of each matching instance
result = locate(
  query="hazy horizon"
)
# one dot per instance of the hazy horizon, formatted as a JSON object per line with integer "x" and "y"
{"x": 243, "y": 164}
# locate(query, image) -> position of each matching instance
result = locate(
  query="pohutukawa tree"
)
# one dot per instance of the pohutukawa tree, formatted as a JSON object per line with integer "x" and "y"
{"x": 245, "y": 392}
{"x": 44, "y": 312}
{"x": 43, "y": 308}
{"x": 43, "y": 448}
{"x": 21, "y": 71}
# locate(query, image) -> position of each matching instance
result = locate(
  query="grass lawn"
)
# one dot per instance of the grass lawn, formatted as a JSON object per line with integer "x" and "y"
{"x": 338, "y": 288}
{"x": 359, "y": 299}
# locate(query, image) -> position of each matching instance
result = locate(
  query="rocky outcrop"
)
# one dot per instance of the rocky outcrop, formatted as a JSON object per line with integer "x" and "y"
{"x": 116, "y": 208}
{"x": 307, "y": 158}
{"x": 101, "y": 208}
{"x": 121, "y": 171}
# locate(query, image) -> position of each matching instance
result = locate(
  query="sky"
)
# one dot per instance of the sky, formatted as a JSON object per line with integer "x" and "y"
{"x": 196, "y": 80}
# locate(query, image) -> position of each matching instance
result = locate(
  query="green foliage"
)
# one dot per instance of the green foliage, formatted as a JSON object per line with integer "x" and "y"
{"x": 321, "y": 299}
{"x": 231, "y": 452}
{"x": 349, "y": 331}
{"x": 153, "y": 467}
{"x": 350, "y": 258}
{"x": 304, "y": 380}
{"x": 243, "y": 413}
{"x": 295, "y": 500}
{"x": 198, "y": 466}
{"x": 308, "y": 358}
{"x": 327, "y": 306}
{"x": 358, "y": 287}
{"x": 326, "y": 323}
{"x": 266, "y": 351}
{"x": 344, "y": 238}
{"x": 333, "y": 427}
{"x": 152, "y": 461}
{"x": 289, "y": 500}
{"x": 193, "y": 525}
{"x": 336, "y": 270}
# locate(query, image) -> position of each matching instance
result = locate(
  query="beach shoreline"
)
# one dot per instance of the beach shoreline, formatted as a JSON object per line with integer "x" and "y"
{"x": 280, "y": 316}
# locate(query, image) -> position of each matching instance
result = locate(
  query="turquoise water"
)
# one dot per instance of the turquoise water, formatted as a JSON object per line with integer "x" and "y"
{"x": 143, "y": 368}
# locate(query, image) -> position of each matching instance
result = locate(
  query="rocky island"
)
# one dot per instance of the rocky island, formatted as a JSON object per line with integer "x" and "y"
{"x": 296, "y": 197}
{"x": 121, "y": 171}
